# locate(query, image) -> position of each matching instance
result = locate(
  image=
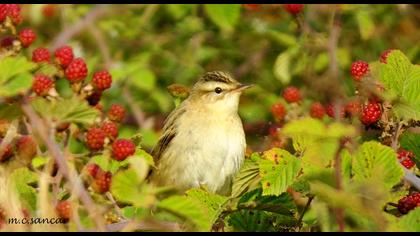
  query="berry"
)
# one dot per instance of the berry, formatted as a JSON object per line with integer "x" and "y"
{"x": 63, "y": 209}
{"x": 7, "y": 41}
{"x": 405, "y": 158}
{"x": 64, "y": 56}
{"x": 116, "y": 113}
{"x": 291, "y": 94}
{"x": 252, "y": 7}
{"x": 27, "y": 37}
{"x": 12, "y": 11}
{"x": 110, "y": 128}
{"x": 359, "y": 69}
{"x": 6, "y": 153}
{"x": 317, "y": 110}
{"x": 48, "y": 10}
{"x": 122, "y": 148}
{"x": 94, "y": 98}
{"x": 103, "y": 181}
{"x": 42, "y": 84}
{"x": 26, "y": 147}
{"x": 330, "y": 110}
{"x": 293, "y": 8}
{"x": 76, "y": 71}
{"x": 102, "y": 80}
{"x": 371, "y": 113}
{"x": 41, "y": 55}
{"x": 353, "y": 108}
{"x": 273, "y": 129}
{"x": 93, "y": 169}
{"x": 409, "y": 202}
{"x": 278, "y": 111}
{"x": 95, "y": 138}
{"x": 384, "y": 56}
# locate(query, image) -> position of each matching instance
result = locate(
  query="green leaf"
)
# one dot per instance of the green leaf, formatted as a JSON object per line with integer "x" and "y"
{"x": 281, "y": 67}
{"x": 126, "y": 188}
{"x": 21, "y": 178}
{"x": 411, "y": 141}
{"x": 410, "y": 222}
{"x": 13, "y": 66}
{"x": 10, "y": 111}
{"x": 246, "y": 179}
{"x": 189, "y": 209}
{"x": 212, "y": 202}
{"x": 282, "y": 38}
{"x": 252, "y": 221}
{"x": 321, "y": 62}
{"x": 374, "y": 160}
{"x": 179, "y": 10}
{"x": 282, "y": 204}
{"x": 365, "y": 23}
{"x": 278, "y": 170}
{"x": 18, "y": 84}
{"x": 225, "y": 16}
{"x": 143, "y": 79}
{"x": 39, "y": 161}
{"x": 47, "y": 69}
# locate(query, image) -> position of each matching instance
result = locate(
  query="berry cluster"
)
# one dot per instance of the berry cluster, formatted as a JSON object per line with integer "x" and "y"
{"x": 409, "y": 202}
{"x": 101, "y": 179}
{"x": 406, "y": 158}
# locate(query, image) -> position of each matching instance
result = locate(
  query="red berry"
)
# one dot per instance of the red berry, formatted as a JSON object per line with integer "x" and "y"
{"x": 252, "y": 7}
{"x": 64, "y": 210}
{"x": 76, "y": 71}
{"x": 6, "y": 153}
{"x": 330, "y": 110}
{"x": 48, "y": 10}
{"x": 317, "y": 110}
{"x": 409, "y": 202}
{"x": 405, "y": 158}
{"x": 94, "y": 98}
{"x": 371, "y": 113}
{"x": 103, "y": 181}
{"x": 64, "y": 56}
{"x": 27, "y": 37}
{"x": 42, "y": 84}
{"x": 95, "y": 138}
{"x": 110, "y": 128}
{"x": 278, "y": 111}
{"x": 93, "y": 169}
{"x": 122, "y": 148}
{"x": 359, "y": 69}
{"x": 12, "y": 11}
{"x": 291, "y": 94}
{"x": 293, "y": 8}
{"x": 26, "y": 147}
{"x": 353, "y": 108}
{"x": 384, "y": 55}
{"x": 408, "y": 163}
{"x": 116, "y": 113}
{"x": 273, "y": 129}
{"x": 41, "y": 55}
{"x": 7, "y": 41}
{"x": 102, "y": 80}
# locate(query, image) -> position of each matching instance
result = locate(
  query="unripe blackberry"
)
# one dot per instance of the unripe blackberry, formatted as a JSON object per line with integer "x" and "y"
{"x": 122, "y": 148}
{"x": 293, "y": 8}
{"x": 371, "y": 113}
{"x": 116, "y": 113}
{"x": 278, "y": 111}
{"x": 6, "y": 153}
{"x": 110, "y": 128}
{"x": 76, "y": 71}
{"x": 64, "y": 56}
{"x": 42, "y": 84}
{"x": 359, "y": 69}
{"x": 95, "y": 138}
{"x": 26, "y": 148}
{"x": 27, "y": 37}
{"x": 102, "y": 181}
{"x": 353, "y": 108}
{"x": 291, "y": 94}
{"x": 384, "y": 56}
{"x": 64, "y": 210}
{"x": 317, "y": 110}
{"x": 330, "y": 110}
{"x": 41, "y": 55}
{"x": 409, "y": 202}
{"x": 102, "y": 80}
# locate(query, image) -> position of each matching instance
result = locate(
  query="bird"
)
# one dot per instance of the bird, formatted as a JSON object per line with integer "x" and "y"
{"x": 203, "y": 141}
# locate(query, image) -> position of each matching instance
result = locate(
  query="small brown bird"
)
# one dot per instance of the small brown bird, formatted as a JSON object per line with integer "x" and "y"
{"x": 203, "y": 141}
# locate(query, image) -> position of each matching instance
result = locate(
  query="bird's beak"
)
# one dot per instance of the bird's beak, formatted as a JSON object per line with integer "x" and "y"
{"x": 242, "y": 87}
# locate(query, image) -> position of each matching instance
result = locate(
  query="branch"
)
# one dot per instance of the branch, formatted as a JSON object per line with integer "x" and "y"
{"x": 339, "y": 212}
{"x": 308, "y": 203}
{"x": 41, "y": 128}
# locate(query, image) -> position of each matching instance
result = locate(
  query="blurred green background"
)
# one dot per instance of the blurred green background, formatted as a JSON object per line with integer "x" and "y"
{"x": 149, "y": 47}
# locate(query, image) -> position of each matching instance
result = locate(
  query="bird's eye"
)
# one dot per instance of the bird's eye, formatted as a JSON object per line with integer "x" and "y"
{"x": 218, "y": 90}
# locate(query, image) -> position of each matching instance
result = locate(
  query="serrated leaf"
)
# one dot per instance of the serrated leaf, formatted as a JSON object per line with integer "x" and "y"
{"x": 212, "y": 202}
{"x": 365, "y": 23}
{"x": 374, "y": 160}
{"x": 252, "y": 221}
{"x": 17, "y": 85}
{"x": 188, "y": 208}
{"x": 278, "y": 170}
{"x": 282, "y": 204}
{"x": 281, "y": 67}
{"x": 225, "y": 16}
{"x": 13, "y": 66}
{"x": 125, "y": 187}
{"x": 410, "y": 222}
{"x": 21, "y": 178}
{"x": 246, "y": 179}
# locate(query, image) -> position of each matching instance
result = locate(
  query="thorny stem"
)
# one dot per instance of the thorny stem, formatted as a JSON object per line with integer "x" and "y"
{"x": 40, "y": 127}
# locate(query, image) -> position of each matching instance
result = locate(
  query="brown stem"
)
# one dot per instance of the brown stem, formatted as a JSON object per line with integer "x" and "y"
{"x": 339, "y": 212}
{"x": 139, "y": 114}
{"x": 41, "y": 128}
{"x": 308, "y": 203}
